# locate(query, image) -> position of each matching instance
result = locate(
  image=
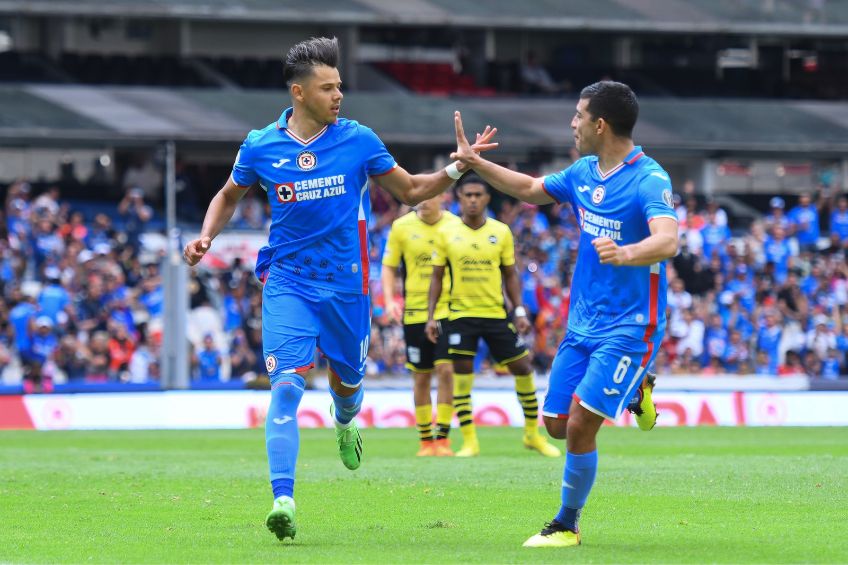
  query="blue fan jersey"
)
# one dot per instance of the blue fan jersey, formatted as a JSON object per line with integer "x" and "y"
{"x": 618, "y": 205}
{"x": 318, "y": 192}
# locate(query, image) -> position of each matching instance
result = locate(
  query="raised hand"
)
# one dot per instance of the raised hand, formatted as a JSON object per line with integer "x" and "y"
{"x": 466, "y": 153}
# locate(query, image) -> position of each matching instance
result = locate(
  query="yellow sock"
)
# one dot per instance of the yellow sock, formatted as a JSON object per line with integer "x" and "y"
{"x": 424, "y": 422}
{"x": 444, "y": 413}
{"x": 525, "y": 388}
{"x": 462, "y": 384}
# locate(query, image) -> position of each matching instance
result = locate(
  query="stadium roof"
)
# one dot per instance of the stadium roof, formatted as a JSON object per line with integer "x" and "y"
{"x": 786, "y": 17}
{"x": 55, "y": 114}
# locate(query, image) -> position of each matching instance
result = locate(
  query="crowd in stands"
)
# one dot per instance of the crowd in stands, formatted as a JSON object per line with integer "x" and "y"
{"x": 83, "y": 295}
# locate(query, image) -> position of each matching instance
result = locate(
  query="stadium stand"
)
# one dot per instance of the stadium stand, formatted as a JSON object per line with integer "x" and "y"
{"x": 82, "y": 281}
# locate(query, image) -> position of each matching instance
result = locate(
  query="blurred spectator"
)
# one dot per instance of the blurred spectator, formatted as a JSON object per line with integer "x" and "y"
{"x": 805, "y": 222}
{"x": 72, "y": 358}
{"x": 242, "y": 358}
{"x": 839, "y": 219}
{"x": 831, "y": 365}
{"x": 536, "y": 79}
{"x": 144, "y": 363}
{"x": 39, "y": 356}
{"x": 145, "y": 175}
{"x": 820, "y": 339}
{"x": 777, "y": 218}
{"x": 121, "y": 349}
{"x": 135, "y": 214}
{"x": 778, "y": 252}
{"x": 209, "y": 360}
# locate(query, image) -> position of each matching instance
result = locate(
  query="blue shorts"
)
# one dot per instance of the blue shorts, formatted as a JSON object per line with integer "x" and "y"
{"x": 602, "y": 374}
{"x": 297, "y": 318}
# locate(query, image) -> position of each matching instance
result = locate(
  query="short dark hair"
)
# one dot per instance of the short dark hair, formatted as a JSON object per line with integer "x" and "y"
{"x": 472, "y": 178}
{"x": 307, "y": 54}
{"x": 616, "y": 103}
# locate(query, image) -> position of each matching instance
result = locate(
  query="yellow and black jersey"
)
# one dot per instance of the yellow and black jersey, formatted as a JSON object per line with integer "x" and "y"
{"x": 412, "y": 242}
{"x": 475, "y": 258}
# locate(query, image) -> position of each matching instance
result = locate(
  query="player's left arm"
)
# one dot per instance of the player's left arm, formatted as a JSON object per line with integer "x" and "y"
{"x": 659, "y": 246}
{"x": 412, "y": 189}
{"x": 655, "y": 198}
{"x": 513, "y": 292}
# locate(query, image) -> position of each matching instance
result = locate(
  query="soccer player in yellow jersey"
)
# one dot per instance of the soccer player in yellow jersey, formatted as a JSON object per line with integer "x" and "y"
{"x": 411, "y": 244}
{"x": 481, "y": 256}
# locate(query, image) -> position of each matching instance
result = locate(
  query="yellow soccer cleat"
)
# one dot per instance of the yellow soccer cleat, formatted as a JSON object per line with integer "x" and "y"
{"x": 427, "y": 449}
{"x": 469, "y": 449}
{"x": 642, "y": 406}
{"x": 442, "y": 448}
{"x": 554, "y": 535}
{"x": 538, "y": 442}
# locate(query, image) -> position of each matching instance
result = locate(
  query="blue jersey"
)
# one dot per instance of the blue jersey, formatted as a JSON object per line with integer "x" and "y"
{"x": 318, "y": 192}
{"x": 839, "y": 224}
{"x": 618, "y": 205}
{"x": 806, "y": 220}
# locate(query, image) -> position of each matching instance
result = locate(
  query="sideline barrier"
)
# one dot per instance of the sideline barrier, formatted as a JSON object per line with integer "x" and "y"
{"x": 389, "y": 409}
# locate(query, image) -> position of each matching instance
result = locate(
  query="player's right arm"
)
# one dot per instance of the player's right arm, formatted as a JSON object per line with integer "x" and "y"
{"x": 439, "y": 260}
{"x": 518, "y": 185}
{"x": 391, "y": 260}
{"x": 223, "y": 205}
{"x": 219, "y": 213}
{"x": 432, "y": 328}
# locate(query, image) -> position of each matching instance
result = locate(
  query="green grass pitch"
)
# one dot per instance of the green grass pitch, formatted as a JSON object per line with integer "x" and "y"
{"x": 683, "y": 495}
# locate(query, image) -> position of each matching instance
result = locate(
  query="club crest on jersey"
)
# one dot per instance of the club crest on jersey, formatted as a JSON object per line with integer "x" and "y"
{"x": 306, "y": 160}
{"x": 270, "y": 363}
{"x": 286, "y": 192}
{"x": 493, "y": 239}
{"x": 598, "y": 194}
{"x": 668, "y": 198}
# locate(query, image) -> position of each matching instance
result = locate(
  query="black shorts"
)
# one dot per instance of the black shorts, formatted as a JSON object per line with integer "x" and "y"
{"x": 505, "y": 344}
{"x": 422, "y": 355}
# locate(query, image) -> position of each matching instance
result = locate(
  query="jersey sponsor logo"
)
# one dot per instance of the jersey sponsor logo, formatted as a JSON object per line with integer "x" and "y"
{"x": 584, "y": 188}
{"x": 286, "y": 192}
{"x": 599, "y": 226}
{"x": 270, "y": 363}
{"x": 311, "y": 189}
{"x": 423, "y": 260}
{"x": 667, "y": 197}
{"x": 306, "y": 160}
{"x": 280, "y": 163}
{"x": 466, "y": 261}
{"x": 598, "y": 194}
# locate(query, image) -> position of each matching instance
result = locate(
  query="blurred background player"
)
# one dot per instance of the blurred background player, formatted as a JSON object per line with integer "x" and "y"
{"x": 411, "y": 243}
{"x": 628, "y": 228}
{"x": 481, "y": 256}
{"x": 315, "y": 169}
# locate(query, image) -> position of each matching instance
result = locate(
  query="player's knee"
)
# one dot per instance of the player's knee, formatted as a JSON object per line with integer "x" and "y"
{"x": 520, "y": 367}
{"x": 463, "y": 366}
{"x": 557, "y": 428}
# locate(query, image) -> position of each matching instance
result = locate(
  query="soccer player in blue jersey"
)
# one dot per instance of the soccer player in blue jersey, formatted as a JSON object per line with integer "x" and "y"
{"x": 315, "y": 168}
{"x": 623, "y": 202}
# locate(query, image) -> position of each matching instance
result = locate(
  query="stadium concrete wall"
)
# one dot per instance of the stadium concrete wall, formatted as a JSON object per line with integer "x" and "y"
{"x": 387, "y": 409}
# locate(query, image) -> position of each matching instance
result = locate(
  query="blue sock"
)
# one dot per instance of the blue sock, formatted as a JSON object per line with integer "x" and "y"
{"x": 282, "y": 438}
{"x": 282, "y": 487}
{"x": 347, "y": 407}
{"x": 577, "y": 480}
